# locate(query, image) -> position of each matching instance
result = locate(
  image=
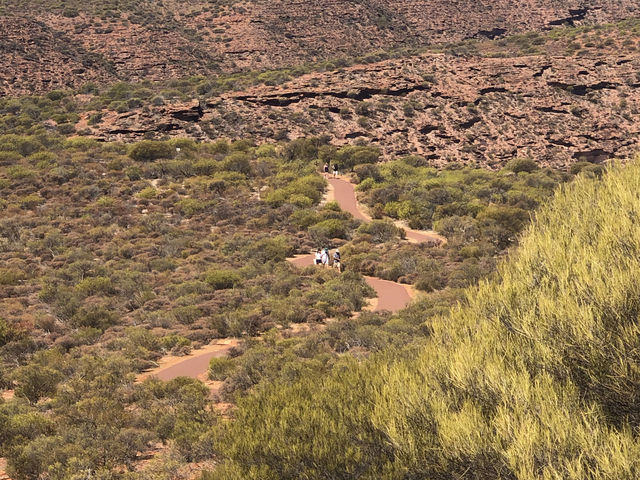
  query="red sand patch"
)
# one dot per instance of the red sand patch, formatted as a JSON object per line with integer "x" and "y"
{"x": 7, "y": 394}
{"x": 392, "y": 296}
{"x": 3, "y": 468}
{"x": 194, "y": 365}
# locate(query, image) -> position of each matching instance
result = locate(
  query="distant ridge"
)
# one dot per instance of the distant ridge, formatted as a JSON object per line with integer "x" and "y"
{"x": 48, "y": 45}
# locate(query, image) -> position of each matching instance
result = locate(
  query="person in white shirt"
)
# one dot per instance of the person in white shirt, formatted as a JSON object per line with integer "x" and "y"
{"x": 325, "y": 258}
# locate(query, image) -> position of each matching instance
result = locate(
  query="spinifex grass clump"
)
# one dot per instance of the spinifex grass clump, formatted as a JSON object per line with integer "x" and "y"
{"x": 535, "y": 376}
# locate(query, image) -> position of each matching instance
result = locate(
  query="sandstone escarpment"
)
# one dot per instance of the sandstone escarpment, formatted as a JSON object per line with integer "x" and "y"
{"x": 557, "y": 110}
{"x": 151, "y": 41}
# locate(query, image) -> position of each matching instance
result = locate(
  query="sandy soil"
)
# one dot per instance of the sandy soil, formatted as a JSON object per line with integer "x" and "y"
{"x": 392, "y": 296}
{"x": 344, "y": 193}
{"x": 194, "y": 365}
{"x": 330, "y": 194}
{"x": 7, "y": 394}
{"x": 3, "y": 468}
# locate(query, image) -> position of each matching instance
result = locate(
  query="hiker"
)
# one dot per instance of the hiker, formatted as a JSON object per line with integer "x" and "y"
{"x": 326, "y": 170}
{"x": 318, "y": 257}
{"x": 325, "y": 258}
{"x": 335, "y": 170}
{"x": 336, "y": 260}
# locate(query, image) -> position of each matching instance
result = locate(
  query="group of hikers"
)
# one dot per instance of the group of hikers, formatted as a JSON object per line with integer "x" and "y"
{"x": 323, "y": 257}
{"x": 335, "y": 170}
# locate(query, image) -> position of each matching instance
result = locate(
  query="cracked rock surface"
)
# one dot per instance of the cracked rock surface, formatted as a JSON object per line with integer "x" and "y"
{"x": 472, "y": 110}
{"x": 42, "y": 49}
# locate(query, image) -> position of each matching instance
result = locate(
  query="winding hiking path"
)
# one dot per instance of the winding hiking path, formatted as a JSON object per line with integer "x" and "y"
{"x": 194, "y": 365}
{"x": 343, "y": 191}
{"x": 391, "y": 296}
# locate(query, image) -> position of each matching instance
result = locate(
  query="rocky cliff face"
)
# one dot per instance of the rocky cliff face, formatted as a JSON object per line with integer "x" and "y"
{"x": 557, "y": 109}
{"x": 44, "y": 49}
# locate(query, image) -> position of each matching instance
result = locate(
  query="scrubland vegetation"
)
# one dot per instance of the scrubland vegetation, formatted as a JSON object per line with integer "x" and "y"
{"x": 533, "y": 375}
{"x": 480, "y": 213}
{"x": 518, "y": 360}
{"x": 153, "y": 13}
{"x": 113, "y": 255}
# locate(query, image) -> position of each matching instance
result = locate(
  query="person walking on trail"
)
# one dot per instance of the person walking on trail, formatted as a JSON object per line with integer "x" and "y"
{"x": 318, "y": 257}
{"x": 326, "y": 170}
{"x": 335, "y": 170}
{"x": 336, "y": 260}
{"x": 325, "y": 258}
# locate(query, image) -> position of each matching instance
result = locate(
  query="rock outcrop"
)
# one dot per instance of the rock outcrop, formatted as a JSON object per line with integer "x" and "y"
{"x": 557, "y": 110}
{"x": 43, "y": 49}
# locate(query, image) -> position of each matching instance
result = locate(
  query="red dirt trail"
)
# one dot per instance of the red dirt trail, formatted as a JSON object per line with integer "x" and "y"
{"x": 191, "y": 367}
{"x": 3, "y": 467}
{"x": 344, "y": 193}
{"x": 392, "y": 296}
{"x": 194, "y": 365}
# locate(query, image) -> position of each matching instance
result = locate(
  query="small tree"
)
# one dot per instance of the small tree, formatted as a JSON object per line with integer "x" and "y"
{"x": 149, "y": 150}
{"x": 36, "y": 381}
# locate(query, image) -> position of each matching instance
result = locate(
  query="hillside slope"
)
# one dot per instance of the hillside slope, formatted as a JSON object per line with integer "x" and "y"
{"x": 150, "y": 41}
{"x": 535, "y": 377}
{"x": 567, "y": 96}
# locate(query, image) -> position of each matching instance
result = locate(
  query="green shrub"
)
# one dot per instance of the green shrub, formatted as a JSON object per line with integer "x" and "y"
{"x": 367, "y": 171}
{"x": 82, "y": 144}
{"x": 518, "y": 165}
{"x": 303, "y": 219}
{"x": 133, "y": 173}
{"x": 56, "y": 95}
{"x": 588, "y": 168}
{"x": 350, "y": 156}
{"x": 95, "y": 285}
{"x": 171, "y": 342}
{"x": 7, "y": 332}
{"x": 380, "y": 231}
{"x": 94, "y": 316}
{"x": 191, "y": 206}
{"x": 11, "y": 276}
{"x": 220, "y": 368}
{"x": 222, "y": 279}
{"x": 148, "y": 193}
{"x": 19, "y": 172}
{"x": 149, "y": 150}
{"x": 270, "y": 249}
{"x": 276, "y": 198}
{"x": 43, "y": 159}
{"x": 9, "y": 158}
{"x": 95, "y": 119}
{"x": 31, "y": 201}
{"x": 299, "y": 200}
{"x": 36, "y": 381}
{"x": 187, "y": 314}
{"x": 321, "y": 233}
